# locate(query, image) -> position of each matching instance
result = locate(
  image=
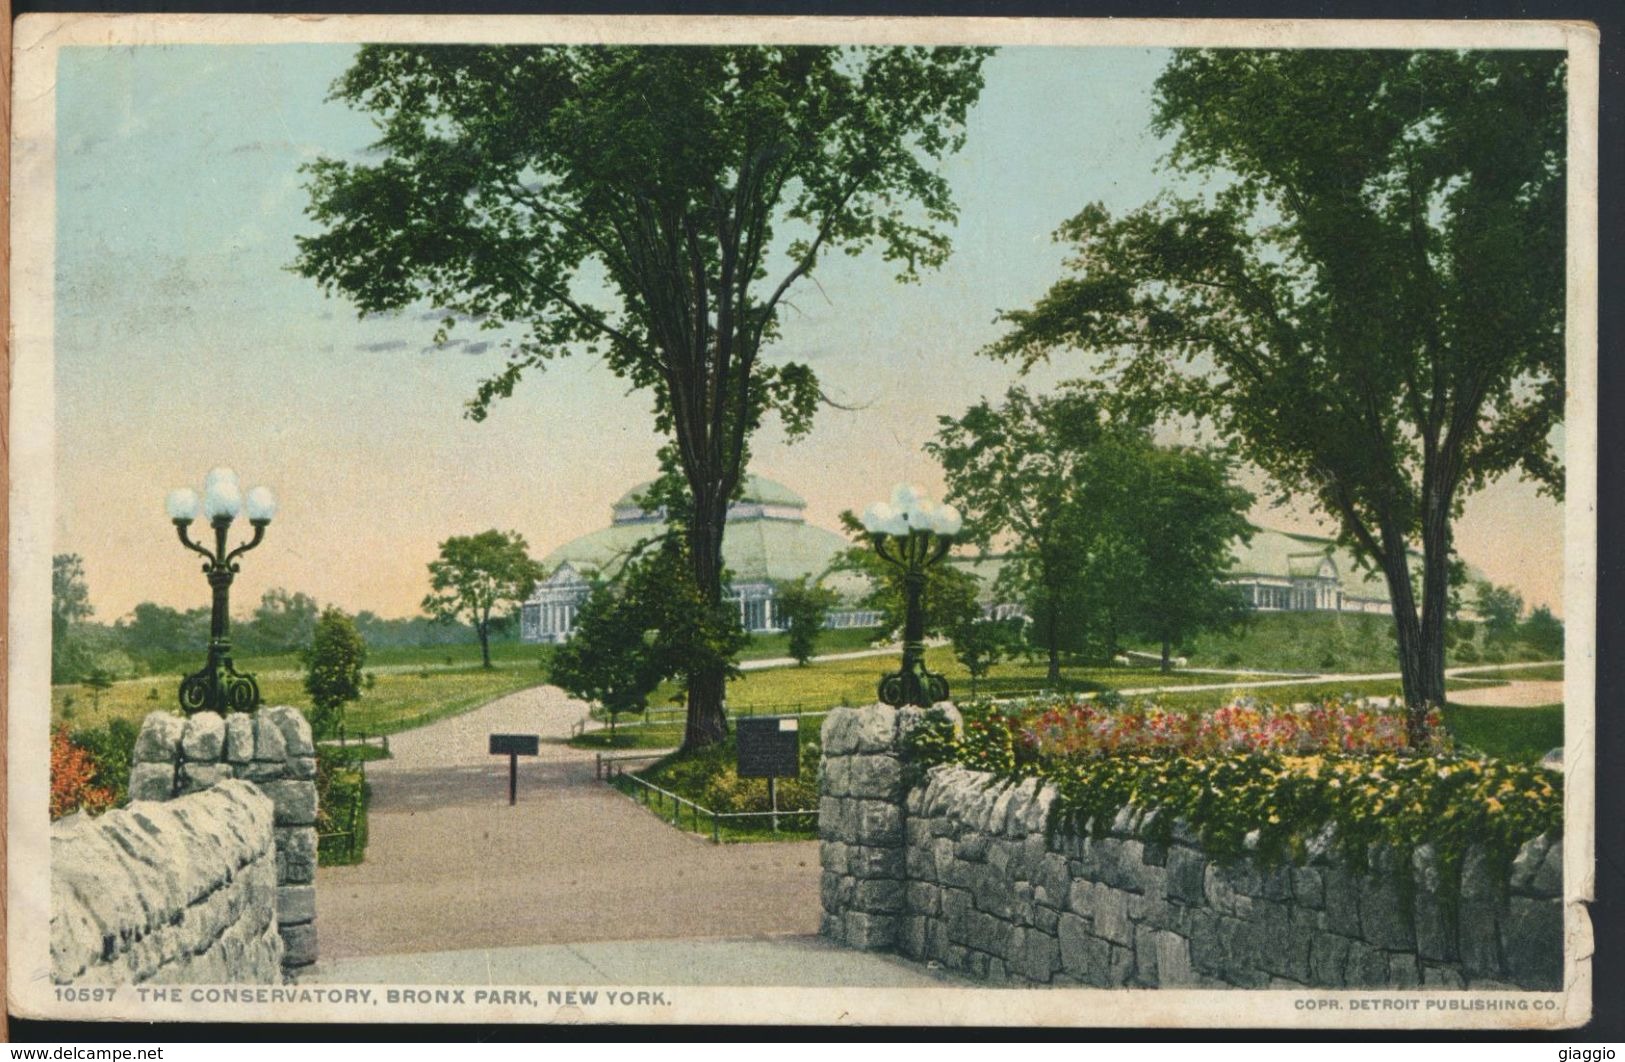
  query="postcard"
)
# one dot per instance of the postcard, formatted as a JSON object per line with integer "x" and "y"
{"x": 802, "y": 520}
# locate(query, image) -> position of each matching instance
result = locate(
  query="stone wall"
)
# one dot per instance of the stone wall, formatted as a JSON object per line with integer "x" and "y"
{"x": 167, "y": 892}
{"x": 961, "y": 870}
{"x": 272, "y": 748}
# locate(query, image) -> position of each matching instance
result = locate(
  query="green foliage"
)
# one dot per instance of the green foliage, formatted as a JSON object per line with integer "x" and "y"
{"x": 1185, "y": 513}
{"x": 674, "y": 174}
{"x": 803, "y": 606}
{"x": 1374, "y": 289}
{"x": 1272, "y": 805}
{"x": 709, "y": 776}
{"x": 981, "y": 642}
{"x": 110, "y": 748}
{"x": 476, "y": 575}
{"x": 1109, "y": 534}
{"x": 649, "y": 624}
{"x": 97, "y": 681}
{"x": 333, "y": 675}
{"x": 342, "y": 796}
{"x": 1501, "y": 607}
{"x": 283, "y": 623}
{"x": 70, "y": 607}
{"x": 1019, "y": 471}
{"x": 1543, "y": 632}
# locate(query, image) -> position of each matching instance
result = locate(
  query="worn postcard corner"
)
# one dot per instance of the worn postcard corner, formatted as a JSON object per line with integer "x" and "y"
{"x": 707, "y": 520}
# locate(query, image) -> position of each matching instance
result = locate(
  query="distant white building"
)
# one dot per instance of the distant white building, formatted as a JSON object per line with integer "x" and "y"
{"x": 1278, "y": 571}
{"x": 767, "y": 541}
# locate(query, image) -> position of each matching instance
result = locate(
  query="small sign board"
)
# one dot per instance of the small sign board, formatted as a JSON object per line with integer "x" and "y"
{"x": 769, "y": 746}
{"x": 514, "y": 744}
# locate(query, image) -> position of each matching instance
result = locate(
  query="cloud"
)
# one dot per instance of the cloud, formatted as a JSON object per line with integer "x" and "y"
{"x": 478, "y": 348}
{"x": 275, "y": 147}
{"x": 387, "y": 344}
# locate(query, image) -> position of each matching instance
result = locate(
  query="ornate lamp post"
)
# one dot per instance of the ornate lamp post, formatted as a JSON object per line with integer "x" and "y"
{"x": 218, "y": 687}
{"x": 912, "y": 533}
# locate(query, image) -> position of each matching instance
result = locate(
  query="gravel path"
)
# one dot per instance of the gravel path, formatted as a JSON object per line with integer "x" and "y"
{"x": 1518, "y": 693}
{"x": 451, "y": 866}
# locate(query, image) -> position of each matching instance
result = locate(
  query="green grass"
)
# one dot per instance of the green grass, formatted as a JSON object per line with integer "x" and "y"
{"x": 1351, "y": 643}
{"x": 842, "y": 640}
{"x": 1543, "y": 673}
{"x": 829, "y": 683}
{"x": 1507, "y": 733}
{"x": 342, "y": 779}
{"x": 659, "y": 736}
{"x": 357, "y": 753}
{"x": 708, "y": 778}
{"x": 398, "y": 700}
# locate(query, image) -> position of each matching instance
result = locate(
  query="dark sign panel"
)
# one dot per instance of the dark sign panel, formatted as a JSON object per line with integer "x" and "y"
{"x": 769, "y": 746}
{"x": 514, "y": 744}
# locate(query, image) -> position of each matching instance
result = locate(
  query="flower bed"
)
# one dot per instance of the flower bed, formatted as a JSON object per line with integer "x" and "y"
{"x": 1249, "y": 779}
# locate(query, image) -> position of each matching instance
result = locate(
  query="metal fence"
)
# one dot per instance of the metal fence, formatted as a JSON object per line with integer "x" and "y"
{"x": 671, "y": 806}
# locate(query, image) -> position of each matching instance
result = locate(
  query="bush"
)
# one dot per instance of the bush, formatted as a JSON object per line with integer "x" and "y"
{"x": 1466, "y": 653}
{"x": 710, "y": 778}
{"x": 110, "y": 747}
{"x": 1271, "y": 802}
{"x": 333, "y": 670}
{"x": 341, "y": 797}
{"x": 73, "y": 779}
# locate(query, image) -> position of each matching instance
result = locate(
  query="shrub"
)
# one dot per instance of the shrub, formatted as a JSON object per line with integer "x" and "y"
{"x": 1466, "y": 653}
{"x": 110, "y": 747}
{"x": 341, "y": 797}
{"x": 1262, "y": 797}
{"x": 333, "y": 670}
{"x": 73, "y": 779}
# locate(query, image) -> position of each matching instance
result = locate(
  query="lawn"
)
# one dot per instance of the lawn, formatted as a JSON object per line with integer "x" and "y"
{"x": 842, "y": 640}
{"x": 1321, "y": 641}
{"x": 398, "y": 700}
{"x": 1507, "y": 733}
{"x": 829, "y": 683}
{"x": 708, "y": 778}
{"x": 1542, "y": 673}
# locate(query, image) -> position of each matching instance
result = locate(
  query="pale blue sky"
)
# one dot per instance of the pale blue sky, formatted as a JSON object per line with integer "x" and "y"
{"x": 182, "y": 341}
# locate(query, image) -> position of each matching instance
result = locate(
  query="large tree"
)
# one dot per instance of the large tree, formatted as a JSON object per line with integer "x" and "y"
{"x": 641, "y": 627}
{"x": 70, "y": 607}
{"x": 1017, "y": 470}
{"x": 284, "y": 622}
{"x": 1188, "y": 515}
{"x": 476, "y": 575}
{"x": 629, "y": 202}
{"x": 1368, "y": 298}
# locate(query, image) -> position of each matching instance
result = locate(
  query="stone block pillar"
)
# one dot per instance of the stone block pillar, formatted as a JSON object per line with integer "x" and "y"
{"x": 272, "y": 748}
{"x": 863, "y": 824}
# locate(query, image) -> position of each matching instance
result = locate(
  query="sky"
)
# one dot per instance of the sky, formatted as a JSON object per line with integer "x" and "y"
{"x": 183, "y": 341}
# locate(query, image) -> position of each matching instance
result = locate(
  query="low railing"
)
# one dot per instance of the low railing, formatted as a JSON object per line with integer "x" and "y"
{"x": 344, "y": 828}
{"x": 602, "y": 765}
{"x": 346, "y": 738}
{"x": 659, "y": 799}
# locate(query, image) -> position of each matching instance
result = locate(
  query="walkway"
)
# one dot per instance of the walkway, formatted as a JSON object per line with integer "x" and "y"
{"x": 789, "y": 962}
{"x": 450, "y": 866}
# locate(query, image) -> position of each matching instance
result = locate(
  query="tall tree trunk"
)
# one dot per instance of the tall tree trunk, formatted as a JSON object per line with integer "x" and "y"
{"x": 484, "y": 629}
{"x": 1167, "y": 655}
{"x": 707, "y": 721}
{"x": 1408, "y": 633}
{"x": 1053, "y": 639}
{"x": 1436, "y": 546}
